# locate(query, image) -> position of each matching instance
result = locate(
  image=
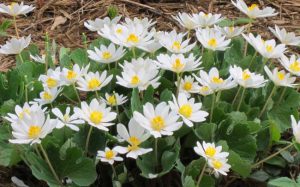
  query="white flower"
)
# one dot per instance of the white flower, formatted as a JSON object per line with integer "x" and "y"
{"x": 188, "y": 109}
{"x": 292, "y": 64}
{"x": 158, "y": 121}
{"x": 15, "y": 9}
{"x": 214, "y": 81}
{"x": 106, "y": 54}
{"x": 51, "y": 79}
{"x": 230, "y": 32}
{"x": 20, "y": 112}
{"x": 212, "y": 39}
{"x": 98, "y": 24}
{"x": 268, "y": 49}
{"x": 206, "y": 20}
{"x": 296, "y": 128}
{"x": 253, "y": 11}
{"x": 48, "y": 96}
{"x": 247, "y": 79}
{"x": 287, "y": 38}
{"x": 32, "y": 128}
{"x": 114, "y": 99}
{"x": 188, "y": 85}
{"x": 15, "y": 46}
{"x": 153, "y": 47}
{"x": 133, "y": 34}
{"x": 219, "y": 166}
{"x": 109, "y": 156}
{"x": 41, "y": 59}
{"x": 205, "y": 90}
{"x": 178, "y": 63}
{"x": 186, "y": 20}
{"x": 70, "y": 76}
{"x": 210, "y": 151}
{"x": 66, "y": 119}
{"x": 135, "y": 136}
{"x": 280, "y": 78}
{"x": 174, "y": 42}
{"x": 93, "y": 81}
{"x": 96, "y": 114}
{"x": 137, "y": 22}
{"x": 140, "y": 73}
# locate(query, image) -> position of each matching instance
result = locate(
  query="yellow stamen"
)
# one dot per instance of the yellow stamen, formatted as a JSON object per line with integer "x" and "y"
{"x": 34, "y": 131}
{"x": 51, "y": 83}
{"x": 47, "y": 96}
{"x": 210, "y": 151}
{"x": 25, "y": 111}
{"x": 280, "y": 75}
{"x": 106, "y": 55}
{"x": 217, "y": 80}
{"x": 252, "y": 7}
{"x": 295, "y": 66}
{"x": 217, "y": 164}
{"x": 109, "y": 154}
{"x": 157, "y": 123}
{"x": 135, "y": 80}
{"x": 133, "y": 38}
{"x": 231, "y": 29}
{"x": 119, "y": 31}
{"x": 176, "y": 45}
{"x": 246, "y": 75}
{"x": 186, "y": 110}
{"x": 177, "y": 65}
{"x": 93, "y": 84}
{"x": 187, "y": 86}
{"x": 135, "y": 142}
{"x": 269, "y": 48}
{"x": 96, "y": 117}
{"x": 71, "y": 75}
{"x": 204, "y": 88}
{"x": 66, "y": 117}
{"x": 212, "y": 42}
{"x": 112, "y": 100}
{"x": 11, "y": 6}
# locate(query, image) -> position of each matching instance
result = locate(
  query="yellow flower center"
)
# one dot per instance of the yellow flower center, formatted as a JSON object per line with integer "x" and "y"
{"x": 51, "y": 83}
{"x": 135, "y": 80}
{"x": 34, "y": 131}
{"x": 176, "y": 45}
{"x": 112, "y": 100}
{"x": 47, "y": 96}
{"x": 295, "y": 66}
{"x": 66, "y": 117}
{"x": 157, "y": 123}
{"x": 280, "y": 75}
{"x": 187, "y": 86}
{"x": 109, "y": 154}
{"x": 252, "y": 7}
{"x": 106, "y": 55}
{"x": 177, "y": 65}
{"x": 246, "y": 75}
{"x": 119, "y": 31}
{"x": 135, "y": 142}
{"x": 133, "y": 38}
{"x": 231, "y": 29}
{"x": 93, "y": 84}
{"x": 204, "y": 88}
{"x": 25, "y": 111}
{"x": 71, "y": 75}
{"x": 12, "y": 5}
{"x": 212, "y": 42}
{"x": 217, "y": 80}
{"x": 96, "y": 117}
{"x": 269, "y": 48}
{"x": 186, "y": 110}
{"x": 217, "y": 164}
{"x": 210, "y": 151}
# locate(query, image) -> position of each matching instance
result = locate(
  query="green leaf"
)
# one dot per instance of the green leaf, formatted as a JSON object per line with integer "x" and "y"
{"x": 136, "y": 104}
{"x": 166, "y": 95}
{"x": 7, "y": 106}
{"x": 4, "y": 26}
{"x": 148, "y": 97}
{"x": 188, "y": 182}
{"x": 239, "y": 165}
{"x": 205, "y": 131}
{"x": 79, "y": 56}
{"x": 283, "y": 182}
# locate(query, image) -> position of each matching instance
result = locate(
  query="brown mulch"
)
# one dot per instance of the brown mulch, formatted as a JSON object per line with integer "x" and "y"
{"x": 75, "y": 12}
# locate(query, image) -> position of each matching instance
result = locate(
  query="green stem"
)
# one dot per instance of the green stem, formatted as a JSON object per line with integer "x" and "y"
{"x": 155, "y": 151}
{"x": 88, "y": 140}
{"x": 241, "y": 99}
{"x": 76, "y": 92}
{"x": 50, "y": 165}
{"x": 118, "y": 114}
{"x": 188, "y": 34}
{"x": 21, "y": 58}
{"x": 265, "y": 60}
{"x": 267, "y": 101}
{"x": 16, "y": 28}
{"x": 252, "y": 59}
{"x": 114, "y": 172}
{"x": 97, "y": 95}
{"x": 236, "y": 95}
{"x": 201, "y": 175}
{"x": 271, "y": 156}
{"x": 282, "y": 94}
{"x": 179, "y": 77}
{"x": 133, "y": 52}
{"x": 218, "y": 96}
{"x": 212, "y": 107}
{"x": 246, "y": 44}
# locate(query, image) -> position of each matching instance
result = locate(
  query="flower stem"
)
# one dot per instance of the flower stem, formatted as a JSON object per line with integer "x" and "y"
{"x": 189, "y": 34}
{"x": 21, "y": 58}
{"x": 114, "y": 172}
{"x": 133, "y": 52}
{"x": 50, "y": 165}
{"x": 282, "y": 94}
{"x": 236, "y": 95}
{"x": 201, "y": 175}
{"x": 179, "y": 77}
{"x": 16, "y": 28}
{"x": 88, "y": 140}
{"x": 271, "y": 156}
{"x": 118, "y": 114}
{"x": 77, "y": 94}
{"x": 252, "y": 59}
{"x": 267, "y": 101}
{"x": 241, "y": 99}
{"x": 212, "y": 107}
{"x": 97, "y": 95}
{"x": 246, "y": 44}
{"x": 265, "y": 60}
{"x": 155, "y": 151}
